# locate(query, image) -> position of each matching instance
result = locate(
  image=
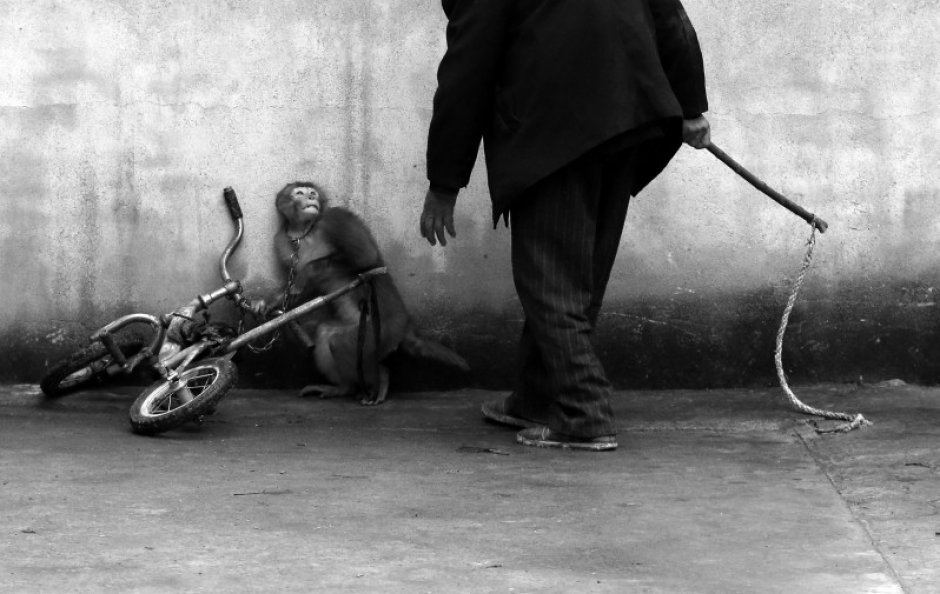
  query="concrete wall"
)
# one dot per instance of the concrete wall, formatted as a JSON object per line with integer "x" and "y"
{"x": 120, "y": 123}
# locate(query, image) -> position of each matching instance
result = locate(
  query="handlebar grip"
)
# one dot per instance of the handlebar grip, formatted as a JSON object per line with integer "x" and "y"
{"x": 231, "y": 200}
{"x": 107, "y": 339}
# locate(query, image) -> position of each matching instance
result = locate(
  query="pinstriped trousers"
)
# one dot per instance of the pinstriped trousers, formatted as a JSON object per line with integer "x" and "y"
{"x": 566, "y": 230}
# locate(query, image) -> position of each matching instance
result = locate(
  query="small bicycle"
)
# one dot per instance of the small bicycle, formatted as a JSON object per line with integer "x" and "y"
{"x": 193, "y": 357}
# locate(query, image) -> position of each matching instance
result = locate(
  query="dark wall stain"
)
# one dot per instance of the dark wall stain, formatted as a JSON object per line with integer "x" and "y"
{"x": 89, "y": 242}
{"x": 844, "y": 333}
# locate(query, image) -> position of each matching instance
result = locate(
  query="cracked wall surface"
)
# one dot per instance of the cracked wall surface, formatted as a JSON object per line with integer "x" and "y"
{"x": 121, "y": 122}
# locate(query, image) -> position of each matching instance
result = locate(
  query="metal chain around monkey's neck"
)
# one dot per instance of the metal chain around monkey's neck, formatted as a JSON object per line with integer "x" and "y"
{"x": 294, "y": 258}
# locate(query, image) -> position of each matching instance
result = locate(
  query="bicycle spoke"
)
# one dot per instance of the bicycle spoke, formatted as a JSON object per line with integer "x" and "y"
{"x": 165, "y": 400}
{"x": 196, "y": 380}
{"x": 200, "y": 381}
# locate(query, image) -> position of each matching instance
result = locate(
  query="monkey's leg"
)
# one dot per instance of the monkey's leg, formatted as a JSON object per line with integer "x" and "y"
{"x": 326, "y": 365}
{"x": 344, "y": 351}
{"x": 382, "y": 390}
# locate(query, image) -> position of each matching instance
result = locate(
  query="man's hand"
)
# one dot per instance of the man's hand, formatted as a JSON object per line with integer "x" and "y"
{"x": 696, "y": 132}
{"x": 438, "y": 215}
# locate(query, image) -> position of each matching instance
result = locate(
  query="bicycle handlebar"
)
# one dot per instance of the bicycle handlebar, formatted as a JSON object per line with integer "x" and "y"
{"x": 231, "y": 200}
{"x": 232, "y": 288}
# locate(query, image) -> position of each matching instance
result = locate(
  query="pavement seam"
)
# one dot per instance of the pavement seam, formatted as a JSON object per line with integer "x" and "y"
{"x": 861, "y": 521}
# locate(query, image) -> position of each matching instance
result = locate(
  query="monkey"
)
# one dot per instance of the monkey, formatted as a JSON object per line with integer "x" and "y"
{"x": 326, "y": 247}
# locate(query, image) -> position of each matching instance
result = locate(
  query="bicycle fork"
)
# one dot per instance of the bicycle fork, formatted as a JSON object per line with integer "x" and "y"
{"x": 172, "y": 370}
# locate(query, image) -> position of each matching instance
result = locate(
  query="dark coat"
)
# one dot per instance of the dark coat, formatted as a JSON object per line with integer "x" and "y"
{"x": 542, "y": 82}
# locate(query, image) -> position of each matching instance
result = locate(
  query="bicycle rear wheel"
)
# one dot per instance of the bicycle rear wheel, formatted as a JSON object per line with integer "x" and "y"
{"x": 85, "y": 366}
{"x": 159, "y": 408}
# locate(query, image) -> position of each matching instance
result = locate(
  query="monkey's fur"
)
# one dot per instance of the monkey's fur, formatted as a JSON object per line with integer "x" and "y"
{"x": 333, "y": 250}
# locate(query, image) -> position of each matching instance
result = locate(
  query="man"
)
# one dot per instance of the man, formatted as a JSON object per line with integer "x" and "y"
{"x": 580, "y": 104}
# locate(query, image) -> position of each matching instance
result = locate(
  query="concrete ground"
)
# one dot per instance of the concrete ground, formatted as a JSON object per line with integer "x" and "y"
{"x": 710, "y": 492}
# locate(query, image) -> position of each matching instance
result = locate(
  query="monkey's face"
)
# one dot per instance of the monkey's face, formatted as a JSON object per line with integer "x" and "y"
{"x": 305, "y": 202}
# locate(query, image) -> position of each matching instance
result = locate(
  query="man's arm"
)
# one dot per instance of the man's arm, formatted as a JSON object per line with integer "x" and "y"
{"x": 438, "y": 215}
{"x": 463, "y": 104}
{"x": 466, "y": 80}
{"x": 680, "y": 55}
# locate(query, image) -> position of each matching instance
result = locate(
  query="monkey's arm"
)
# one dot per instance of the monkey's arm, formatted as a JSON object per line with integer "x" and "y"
{"x": 351, "y": 239}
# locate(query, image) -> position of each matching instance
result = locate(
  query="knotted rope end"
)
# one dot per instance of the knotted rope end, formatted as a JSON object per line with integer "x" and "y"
{"x": 856, "y": 423}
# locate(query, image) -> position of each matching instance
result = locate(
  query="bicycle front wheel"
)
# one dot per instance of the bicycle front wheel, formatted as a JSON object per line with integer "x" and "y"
{"x": 160, "y": 408}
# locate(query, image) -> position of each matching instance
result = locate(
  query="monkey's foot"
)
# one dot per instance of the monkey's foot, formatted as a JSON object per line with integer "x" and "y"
{"x": 367, "y": 400}
{"x": 324, "y": 391}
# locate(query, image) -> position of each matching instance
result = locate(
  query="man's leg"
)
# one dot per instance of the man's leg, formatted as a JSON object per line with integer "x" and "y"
{"x": 531, "y": 381}
{"x": 554, "y": 244}
{"x": 532, "y": 376}
{"x": 617, "y": 185}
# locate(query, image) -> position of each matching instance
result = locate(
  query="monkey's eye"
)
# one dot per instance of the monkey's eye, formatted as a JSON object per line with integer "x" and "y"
{"x": 305, "y": 192}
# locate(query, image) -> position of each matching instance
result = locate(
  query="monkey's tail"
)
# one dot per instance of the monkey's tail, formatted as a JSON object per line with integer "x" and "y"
{"x": 425, "y": 348}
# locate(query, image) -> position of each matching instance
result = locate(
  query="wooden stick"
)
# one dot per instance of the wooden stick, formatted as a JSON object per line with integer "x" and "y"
{"x": 776, "y": 196}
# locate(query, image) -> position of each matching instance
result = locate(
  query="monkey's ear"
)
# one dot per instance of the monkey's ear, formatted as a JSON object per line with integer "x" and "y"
{"x": 282, "y": 199}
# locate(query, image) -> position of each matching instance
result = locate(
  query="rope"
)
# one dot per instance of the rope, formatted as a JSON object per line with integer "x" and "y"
{"x": 852, "y": 421}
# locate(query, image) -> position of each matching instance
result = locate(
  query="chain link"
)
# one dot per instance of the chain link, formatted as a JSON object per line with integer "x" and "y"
{"x": 285, "y": 304}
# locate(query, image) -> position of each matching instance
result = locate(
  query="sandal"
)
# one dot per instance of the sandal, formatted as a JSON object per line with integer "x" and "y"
{"x": 543, "y": 437}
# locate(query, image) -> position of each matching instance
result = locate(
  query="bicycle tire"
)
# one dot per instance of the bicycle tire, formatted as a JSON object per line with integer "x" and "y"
{"x": 209, "y": 380}
{"x": 78, "y": 370}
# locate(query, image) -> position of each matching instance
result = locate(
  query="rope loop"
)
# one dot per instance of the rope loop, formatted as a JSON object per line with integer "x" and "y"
{"x": 852, "y": 421}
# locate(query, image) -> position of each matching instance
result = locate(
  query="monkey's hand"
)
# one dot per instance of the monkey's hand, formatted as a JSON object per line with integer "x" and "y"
{"x": 258, "y": 307}
{"x": 438, "y": 215}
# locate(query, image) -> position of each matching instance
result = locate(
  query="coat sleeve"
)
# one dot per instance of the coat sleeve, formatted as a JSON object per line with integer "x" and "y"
{"x": 680, "y": 55}
{"x": 466, "y": 87}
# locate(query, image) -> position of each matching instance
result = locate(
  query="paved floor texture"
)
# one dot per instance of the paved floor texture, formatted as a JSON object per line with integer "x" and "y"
{"x": 720, "y": 491}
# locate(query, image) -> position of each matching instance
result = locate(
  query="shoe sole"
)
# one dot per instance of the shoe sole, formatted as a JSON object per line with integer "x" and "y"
{"x": 503, "y": 419}
{"x": 568, "y": 445}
